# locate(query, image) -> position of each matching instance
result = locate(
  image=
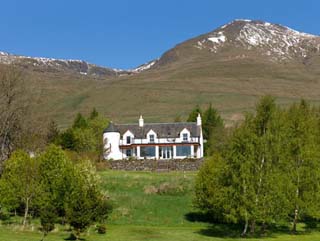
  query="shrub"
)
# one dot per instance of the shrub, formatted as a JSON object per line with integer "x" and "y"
{"x": 166, "y": 188}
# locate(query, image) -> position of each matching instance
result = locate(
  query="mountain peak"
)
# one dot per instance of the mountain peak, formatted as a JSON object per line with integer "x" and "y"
{"x": 274, "y": 40}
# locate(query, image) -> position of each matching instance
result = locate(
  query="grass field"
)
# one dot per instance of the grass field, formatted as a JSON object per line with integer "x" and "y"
{"x": 152, "y": 206}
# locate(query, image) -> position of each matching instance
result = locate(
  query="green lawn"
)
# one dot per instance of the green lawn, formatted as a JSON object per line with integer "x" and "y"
{"x": 142, "y": 214}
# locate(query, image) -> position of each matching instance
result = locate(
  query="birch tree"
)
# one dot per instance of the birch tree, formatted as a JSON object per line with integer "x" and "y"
{"x": 21, "y": 176}
{"x": 302, "y": 162}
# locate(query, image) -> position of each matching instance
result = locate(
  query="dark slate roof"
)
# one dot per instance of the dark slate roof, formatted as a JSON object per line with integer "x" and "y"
{"x": 163, "y": 130}
{"x": 111, "y": 128}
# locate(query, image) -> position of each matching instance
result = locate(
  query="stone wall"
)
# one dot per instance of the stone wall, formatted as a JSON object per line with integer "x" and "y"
{"x": 156, "y": 165}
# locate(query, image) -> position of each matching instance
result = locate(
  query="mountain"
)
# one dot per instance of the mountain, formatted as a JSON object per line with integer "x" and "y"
{"x": 59, "y": 65}
{"x": 230, "y": 67}
{"x": 242, "y": 39}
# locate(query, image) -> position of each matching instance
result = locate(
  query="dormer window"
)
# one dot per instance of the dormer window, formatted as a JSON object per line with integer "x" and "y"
{"x": 185, "y": 137}
{"x": 128, "y": 139}
{"x": 151, "y": 138}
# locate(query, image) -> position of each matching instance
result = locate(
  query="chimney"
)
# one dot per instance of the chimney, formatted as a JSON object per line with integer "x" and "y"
{"x": 199, "y": 121}
{"x": 141, "y": 122}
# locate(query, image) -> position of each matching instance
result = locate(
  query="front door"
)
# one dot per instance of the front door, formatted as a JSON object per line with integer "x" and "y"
{"x": 166, "y": 152}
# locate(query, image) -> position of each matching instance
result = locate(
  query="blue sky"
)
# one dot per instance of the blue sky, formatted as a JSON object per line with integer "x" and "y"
{"x": 127, "y": 33}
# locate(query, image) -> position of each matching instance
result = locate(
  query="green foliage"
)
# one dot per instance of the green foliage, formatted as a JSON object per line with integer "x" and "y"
{"x": 84, "y": 140}
{"x": 85, "y": 204}
{"x": 19, "y": 183}
{"x": 270, "y": 170}
{"x": 55, "y": 174}
{"x": 85, "y": 134}
{"x": 212, "y": 128}
{"x": 80, "y": 122}
{"x": 94, "y": 114}
{"x": 54, "y": 188}
{"x": 194, "y": 113}
{"x": 53, "y": 132}
{"x": 301, "y": 161}
{"x": 67, "y": 139}
{"x": 210, "y": 194}
{"x": 211, "y": 121}
{"x": 48, "y": 218}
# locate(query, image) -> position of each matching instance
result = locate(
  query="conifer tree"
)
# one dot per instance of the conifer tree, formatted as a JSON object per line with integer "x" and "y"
{"x": 194, "y": 113}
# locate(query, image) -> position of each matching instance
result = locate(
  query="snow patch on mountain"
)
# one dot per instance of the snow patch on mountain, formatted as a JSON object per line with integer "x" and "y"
{"x": 274, "y": 40}
{"x": 145, "y": 66}
{"x": 71, "y": 65}
{"x": 220, "y": 38}
{"x": 281, "y": 41}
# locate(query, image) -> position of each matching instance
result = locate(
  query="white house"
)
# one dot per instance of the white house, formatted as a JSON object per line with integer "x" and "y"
{"x": 153, "y": 140}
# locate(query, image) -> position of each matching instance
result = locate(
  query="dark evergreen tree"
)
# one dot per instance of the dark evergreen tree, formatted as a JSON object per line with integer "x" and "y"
{"x": 211, "y": 120}
{"x": 53, "y": 132}
{"x": 194, "y": 113}
{"x": 80, "y": 122}
{"x": 94, "y": 114}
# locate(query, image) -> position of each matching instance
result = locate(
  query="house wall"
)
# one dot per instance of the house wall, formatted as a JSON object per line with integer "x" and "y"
{"x": 113, "y": 141}
{"x": 111, "y": 146}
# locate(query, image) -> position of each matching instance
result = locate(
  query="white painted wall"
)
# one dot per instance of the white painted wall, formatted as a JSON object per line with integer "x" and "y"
{"x": 111, "y": 142}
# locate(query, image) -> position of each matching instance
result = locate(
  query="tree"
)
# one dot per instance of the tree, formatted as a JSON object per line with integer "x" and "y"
{"x": 210, "y": 191}
{"x": 301, "y": 161}
{"x": 14, "y": 103}
{"x": 21, "y": 176}
{"x": 67, "y": 139}
{"x": 85, "y": 204}
{"x": 20, "y": 126}
{"x": 84, "y": 140}
{"x": 53, "y": 132}
{"x": 55, "y": 171}
{"x": 253, "y": 177}
{"x": 80, "y": 122}
{"x": 48, "y": 218}
{"x": 211, "y": 120}
{"x": 85, "y": 134}
{"x": 194, "y": 113}
{"x": 213, "y": 129}
{"x": 94, "y": 114}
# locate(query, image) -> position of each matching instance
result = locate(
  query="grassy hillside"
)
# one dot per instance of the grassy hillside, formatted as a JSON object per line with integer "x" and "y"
{"x": 141, "y": 213}
{"x": 161, "y": 95}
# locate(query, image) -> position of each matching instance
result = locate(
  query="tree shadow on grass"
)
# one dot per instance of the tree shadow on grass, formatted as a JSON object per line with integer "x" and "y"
{"x": 215, "y": 229}
{"x": 222, "y": 231}
{"x": 225, "y": 230}
{"x": 73, "y": 237}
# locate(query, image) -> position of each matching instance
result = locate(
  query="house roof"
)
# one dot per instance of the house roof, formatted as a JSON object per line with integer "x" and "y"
{"x": 163, "y": 130}
{"x": 111, "y": 128}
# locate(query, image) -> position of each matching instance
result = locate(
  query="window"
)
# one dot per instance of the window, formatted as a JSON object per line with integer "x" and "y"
{"x": 128, "y": 139}
{"x": 185, "y": 137}
{"x": 148, "y": 151}
{"x": 183, "y": 150}
{"x": 129, "y": 152}
{"x": 151, "y": 137}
